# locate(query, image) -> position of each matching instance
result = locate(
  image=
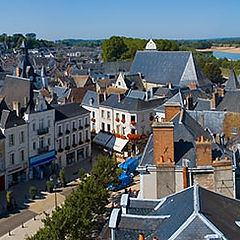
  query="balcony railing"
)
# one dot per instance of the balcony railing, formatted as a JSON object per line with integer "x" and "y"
{"x": 42, "y": 131}
{"x": 43, "y": 150}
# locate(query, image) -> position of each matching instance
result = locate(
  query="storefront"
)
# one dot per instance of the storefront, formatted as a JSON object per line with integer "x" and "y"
{"x": 16, "y": 174}
{"x": 42, "y": 165}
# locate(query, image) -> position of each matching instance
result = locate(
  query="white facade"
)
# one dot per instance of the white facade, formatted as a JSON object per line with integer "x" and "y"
{"x": 40, "y": 135}
{"x": 73, "y": 139}
{"x": 16, "y": 154}
{"x": 94, "y": 118}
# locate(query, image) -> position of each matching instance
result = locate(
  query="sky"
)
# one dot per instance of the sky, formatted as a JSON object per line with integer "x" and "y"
{"x": 100, "y": 19}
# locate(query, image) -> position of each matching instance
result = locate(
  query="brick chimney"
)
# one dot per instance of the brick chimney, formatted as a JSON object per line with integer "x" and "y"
{"x": 204, "y": 152}
{"x": 163, "y": 156}
{"x": 171, "y": 110}
{"x": 214, "y": 100}
{"x": 163, "y": 143}
{"x": 189, "y": 99}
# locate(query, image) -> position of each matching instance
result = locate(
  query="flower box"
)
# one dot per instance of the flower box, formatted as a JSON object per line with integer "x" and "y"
{"x": 67, "y": 148}
{"x": 93, "y": 120}
{"x": 123, "y": 120}
{"x": 133, "y": 122}
{"x": 67, "y": 131}
{"x": 117, "y": 119}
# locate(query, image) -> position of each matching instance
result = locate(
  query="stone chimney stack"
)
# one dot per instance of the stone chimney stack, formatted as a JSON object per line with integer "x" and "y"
{"x": 214, "y": 100}
{"x": 204, "y": 152}
{"x": 16, "y": 107}
{"x": 189, "y": 102}
{"x": 171, "y": 109}
{"x": 223, "y": 177}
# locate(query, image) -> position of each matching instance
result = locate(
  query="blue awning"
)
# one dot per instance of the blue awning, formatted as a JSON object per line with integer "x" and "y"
{"x": 42, "y": 159}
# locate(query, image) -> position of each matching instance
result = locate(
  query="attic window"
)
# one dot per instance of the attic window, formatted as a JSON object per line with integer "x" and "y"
{"x": 234, "y": 131}
{"x": 91, "y": 101}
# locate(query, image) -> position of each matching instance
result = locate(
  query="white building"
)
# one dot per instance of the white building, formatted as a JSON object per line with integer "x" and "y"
{"x": 41, "y": 138}
{"x": 91, "y": 103}
{"x": 16, "y": 147}
{"x": 72, "y": 134}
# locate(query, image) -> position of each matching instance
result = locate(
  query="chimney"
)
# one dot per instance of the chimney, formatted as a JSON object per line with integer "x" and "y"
{"x": 17, "y": 71}
{"x": 170, "y": 85}
{"x": 141, "y": 236}
{"x": 119, "y": 98}
{"x": 16, "y": 107}
{"x": 171, "y": 110}
{"x": 189, "y": 102}
{"x": 214, "y": 100}
{"x": 185, "y": 177}
{"x": 204, "y": 152}
{"x": 193, "y": 86}
{"x": 163, "y": 143}
{"x": 163, "y": 157}
{"x": 223, "y": 177}
{"x": 100, "y": 97}
{"x": 202, "y": 120}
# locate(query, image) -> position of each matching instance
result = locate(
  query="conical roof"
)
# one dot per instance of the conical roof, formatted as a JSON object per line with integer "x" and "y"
{"x": 232, "y": 82}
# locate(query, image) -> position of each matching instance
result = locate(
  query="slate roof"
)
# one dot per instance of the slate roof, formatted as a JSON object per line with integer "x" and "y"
{"x": 212, "y": 120}
{"x": 232, "y": 82}
{"x": 202, "y": 104}
{"x": 68, "y": 110}
{"x": 229, "y": 101}
{"x": 186, "y": 131}
{"x": 9, "y": 119}
{"x": 134, "y": 82}
{"x": 163, "y": 67}
{"x": 90, "y": 99}
{"x": 130, "y": 104}
{"x": 137, "y": 94}
{"x": 192, "y": 213}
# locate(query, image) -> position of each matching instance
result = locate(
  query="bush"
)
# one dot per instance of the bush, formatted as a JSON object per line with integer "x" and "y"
{"x": 50, "y": 186}
{"x": 9, "y": 200}
{"x": 32, "y": 192}
{"x": 62, "y": 178}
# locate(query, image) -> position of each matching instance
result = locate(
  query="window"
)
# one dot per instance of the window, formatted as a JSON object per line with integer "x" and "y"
{"x": 11, "y": 140}
{"x": 86, "y": 121}
{"x": 41, "y": 123}
{"x": 67, "y": 141}
{"x": 12, "y": 158}
{"x": 60, "y": 143}
{"x": 119, "y": 83}
{"x": 86, "y": 134}
{"x": 67, "y": 126}
{"x": 73, "y": 125}
{"x": 49, "y": 141}
{"x": 133, "y": 118}
{"x": 102, "y": 113}
{"x": 21, "y": 137}
{"x": 123, "y": 116}
{"x": 59, "y": 129}
{"x": 49, "y": 122}
{"x": 80, "y": 137}
{"x": 93, "y": 114}
{"x": 133, "y": 131}
{"x": 108, "y": 127}
{"x": 103, "y": 126}
{"x": 74, "y": 139}
{"x": 123, "y": 131}
{"x": 34, "y": 127}
{"x": 108, "y": 115}
{"x": 34, "y": 146}
{"x": 80, "y": 154}
{"x": 80, "y": 122}
{"x": 70, "y": 158}
{"x": 41, "y": 143}
{"x": 22, "y": 155}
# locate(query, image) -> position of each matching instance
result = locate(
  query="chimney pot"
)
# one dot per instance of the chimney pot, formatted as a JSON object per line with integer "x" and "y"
{"x": 141, "y": 236}
{"x": 202, "y": 139}
{"x": 161, "y": 159}
{"x": 226, "y": 158}
{"x": 217, "y": 159}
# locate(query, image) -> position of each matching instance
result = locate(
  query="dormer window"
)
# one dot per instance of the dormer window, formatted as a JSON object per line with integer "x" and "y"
{"x": 91, "y": 101}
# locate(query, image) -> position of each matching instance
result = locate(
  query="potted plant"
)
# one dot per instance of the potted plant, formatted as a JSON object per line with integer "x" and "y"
{"x": 32, "y": 192}
{"x": 62, "y": 178}
{"x": 9, "y": 200}
{"x": 50, "y": 186}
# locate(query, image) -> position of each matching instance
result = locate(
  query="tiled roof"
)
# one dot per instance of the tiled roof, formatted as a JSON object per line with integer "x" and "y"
{"x": 229, "y": 101}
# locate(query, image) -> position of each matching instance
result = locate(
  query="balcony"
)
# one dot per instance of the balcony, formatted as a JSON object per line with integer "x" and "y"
{"x": 87, "y": 125}
{"x": 74, "y": 129}
{"x": 42, "y": 131}
{"x": 60, "y": 134}
{"x": 74, "y": 145}
{"x": 43, "y": 150}
{"x": 87, "y": 140}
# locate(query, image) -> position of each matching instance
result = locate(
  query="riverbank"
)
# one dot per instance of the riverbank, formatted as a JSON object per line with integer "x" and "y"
{"x": 220, "y": 49}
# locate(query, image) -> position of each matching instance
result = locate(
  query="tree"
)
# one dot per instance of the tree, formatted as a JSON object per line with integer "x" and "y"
{"x": 62, "y": 178}
{"x": 77, "y": 217}
{"x": 113, "y": 48}
{"x": 213, "y": 72}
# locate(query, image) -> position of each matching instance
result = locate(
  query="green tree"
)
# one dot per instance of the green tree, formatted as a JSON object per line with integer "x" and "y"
{"x": 113, "y": 48}
{"x": 77, "y": 217}
{"x": 62, "y": 177}
{"x": 213, "y": 72}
